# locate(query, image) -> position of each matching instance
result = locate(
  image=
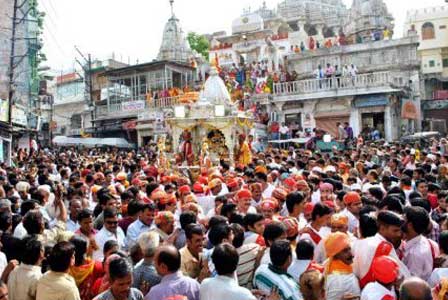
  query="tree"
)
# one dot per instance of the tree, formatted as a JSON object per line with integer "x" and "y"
{"x": 199, "y": 43}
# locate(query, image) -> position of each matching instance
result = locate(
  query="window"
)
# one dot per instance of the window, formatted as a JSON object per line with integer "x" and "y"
{"x": 442, "y": 27}
{"x": 428, "y": 32}
{"x": 445, "y": 62}
{"x": 432, "y": 64}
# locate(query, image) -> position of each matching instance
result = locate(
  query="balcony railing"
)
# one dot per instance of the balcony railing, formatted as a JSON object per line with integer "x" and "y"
{"x": 310, "y": 86}
{"x": 119, "y": 110}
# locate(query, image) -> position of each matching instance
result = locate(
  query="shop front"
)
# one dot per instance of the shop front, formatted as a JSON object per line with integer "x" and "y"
{"x": 372, "y": 113}
{"x": 328, "y": 113}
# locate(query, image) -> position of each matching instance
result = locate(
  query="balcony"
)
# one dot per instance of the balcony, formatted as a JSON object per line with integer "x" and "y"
{"x": 131, "y": 109}
{"x": 362, "y": 84}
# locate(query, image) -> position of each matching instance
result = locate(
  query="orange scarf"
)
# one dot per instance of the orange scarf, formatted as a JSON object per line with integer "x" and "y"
{"x": 337, "y": 267}
{"x": 80, "y": 273}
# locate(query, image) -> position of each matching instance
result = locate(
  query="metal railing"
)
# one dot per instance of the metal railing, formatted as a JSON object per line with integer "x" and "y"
{"x": 333, "y": 83}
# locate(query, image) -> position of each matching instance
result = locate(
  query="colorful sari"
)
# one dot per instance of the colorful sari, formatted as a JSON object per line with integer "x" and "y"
{"x": 85, "y": 276}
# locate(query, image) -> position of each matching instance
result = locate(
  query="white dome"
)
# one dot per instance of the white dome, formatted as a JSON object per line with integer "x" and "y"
{"x": 246, "y": 23}
{"x": 215, "y": 91}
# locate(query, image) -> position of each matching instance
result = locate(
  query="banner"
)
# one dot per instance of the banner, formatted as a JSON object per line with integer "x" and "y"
{"x": 409, "y": 110}
{"x": 133, "y": 105}
{"x": 4, "y": 115}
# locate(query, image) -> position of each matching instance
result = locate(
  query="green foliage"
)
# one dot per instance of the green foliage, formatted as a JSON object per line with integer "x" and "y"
{"x": 199, "y": 43}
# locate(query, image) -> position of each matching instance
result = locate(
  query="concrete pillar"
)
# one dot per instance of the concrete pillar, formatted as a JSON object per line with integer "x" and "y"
{"x": 388, "y": 123}
{"x": 355, "y": 121}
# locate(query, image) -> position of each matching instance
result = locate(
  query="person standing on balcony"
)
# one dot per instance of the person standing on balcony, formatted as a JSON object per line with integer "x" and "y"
{"x": 284, "y": 132}
{"x": 353, "y": 72}
{"x": 329, "y": 72}
{"x": 319, "y": 74}
{"x": 337, "y": 74}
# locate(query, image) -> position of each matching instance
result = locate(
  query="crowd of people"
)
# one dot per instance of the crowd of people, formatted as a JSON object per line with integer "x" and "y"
{"x": 367, "y": 223}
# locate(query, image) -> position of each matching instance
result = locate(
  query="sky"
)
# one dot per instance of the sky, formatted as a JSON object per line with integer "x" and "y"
{"x": 132, "y": 30}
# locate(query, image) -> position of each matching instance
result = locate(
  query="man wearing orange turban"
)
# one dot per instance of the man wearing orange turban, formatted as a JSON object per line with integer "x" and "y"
{"x": 243, "y": 202}
{"x": 385, "y": 272}
{"x": 353, "y": 205}
{"x": 164, "y": 222}
{"x": 340, "y": 279}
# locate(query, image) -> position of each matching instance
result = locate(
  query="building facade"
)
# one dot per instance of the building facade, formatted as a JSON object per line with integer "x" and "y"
{"x": 431, "y": 26}
{"x": 25, "y": 81}
{"x": 387, "y": 79}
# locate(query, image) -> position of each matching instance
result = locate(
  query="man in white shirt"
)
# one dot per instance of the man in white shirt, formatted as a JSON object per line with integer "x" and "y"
{"x": 353, "y": 205}
{"x": 389, "y": 235}
{"x": 110, "y": 231}
{"x": 75, "y": 207}
{"x": 22, "y": 281}
{"x": 224, "y": 286}
{"x": 304, "y": 259}
{"x": 419, "y": 251}
{"x": 142, "y": 224}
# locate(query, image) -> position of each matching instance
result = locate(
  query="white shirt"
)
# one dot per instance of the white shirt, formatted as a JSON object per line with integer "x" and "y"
{"x": 20, "y": 231}
{"x": 376, "y": 291}
{"x": 134, "y": 230}
{"x": 71, "y": 225}
{"x": 103, "y": 236}
{"x": 418, "y": 257}
{"x": 223, "y": 288}
{"x": 267, "y": 193}
{"x": 364, "y": 253}
{"x": 298, "y": 267}
{"x": 436, "y": 276}
{"x": 337, "y": 285}
{"x": 353, "y": 222}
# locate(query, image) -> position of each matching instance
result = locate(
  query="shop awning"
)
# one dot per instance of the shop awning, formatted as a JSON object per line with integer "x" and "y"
{"x": 332, "y": 114}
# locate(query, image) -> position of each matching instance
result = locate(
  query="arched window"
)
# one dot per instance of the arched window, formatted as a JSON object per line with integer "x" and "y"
{"x": 428, "y": 31}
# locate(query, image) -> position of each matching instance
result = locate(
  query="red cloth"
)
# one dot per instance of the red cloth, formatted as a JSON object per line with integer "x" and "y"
{"x": 384, "y": 248}
{"x": 385, "y": 269}
{"x": 433, "y": 200}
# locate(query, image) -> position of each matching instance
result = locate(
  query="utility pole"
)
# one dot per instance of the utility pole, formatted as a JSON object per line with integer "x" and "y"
{"x": 87, "y": 68}
{"x": 11, "y": 66}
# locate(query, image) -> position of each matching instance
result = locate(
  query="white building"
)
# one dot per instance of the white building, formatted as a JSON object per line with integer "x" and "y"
{"x": 431, "y": 25}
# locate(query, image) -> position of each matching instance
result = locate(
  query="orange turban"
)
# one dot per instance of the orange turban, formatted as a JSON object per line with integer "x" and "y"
{"x": 339, "y": 219}
{"x": 292, "y": 226}
{"x": 351, "y": 197}
{"x": 269, "y": 204}
{"x": 158, "y": 195}
{"x": 279, "y": 194}
{"x": 290, "y": 183}
{"x": 198, "y": 188}
{"x": 191, "y": 198}
{"x": 385, "y": 269}
{"x": 214, "y": 183}
{"x": 261, "y": 169}
{"x": 164, "y": 217}
{"x": 185, "y": 189}
{"x": 335, "y": 243}
{"x": 193, "y": 207}
{"x": 232, "y": 183}
{"x": 302, "y": 185}
{"x": 243, "y": 194}
{"x": 255, "y": 186}
{"x": 169, "y": 199}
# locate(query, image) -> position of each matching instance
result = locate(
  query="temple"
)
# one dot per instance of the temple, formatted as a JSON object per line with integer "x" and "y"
{"x": 175, "y": 46}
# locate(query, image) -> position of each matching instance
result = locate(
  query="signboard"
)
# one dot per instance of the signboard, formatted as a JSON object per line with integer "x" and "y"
{"x": 409, "y": 110}
{"x": 4, "y": 115}
{"x": 67, "y": 78}
{"x": 369, "y": 101}
{"x": 19, "y": 116}
{"x": 248, "y": 46}
{"x": 133, "y": 105}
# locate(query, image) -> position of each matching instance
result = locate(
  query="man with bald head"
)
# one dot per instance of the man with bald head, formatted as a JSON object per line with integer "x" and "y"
{"x": 173, "y": 284}
{"x": 415, "y": 288}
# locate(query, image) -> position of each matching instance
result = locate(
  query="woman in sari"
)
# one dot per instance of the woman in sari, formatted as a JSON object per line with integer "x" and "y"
{"x": 85, "y": 271}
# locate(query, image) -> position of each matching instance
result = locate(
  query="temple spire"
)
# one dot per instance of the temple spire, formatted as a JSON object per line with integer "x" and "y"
{"x": 172, "y": 8}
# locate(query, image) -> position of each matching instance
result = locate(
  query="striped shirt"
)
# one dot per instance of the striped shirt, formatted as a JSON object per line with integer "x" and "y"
{"x": 246, "y": 264}
{"x": 268, "y": 276}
